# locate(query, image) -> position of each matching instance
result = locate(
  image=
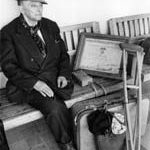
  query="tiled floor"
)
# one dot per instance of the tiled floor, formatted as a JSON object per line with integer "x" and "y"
{"x": 33, "y": 136}
{"x": 36, "y": 136}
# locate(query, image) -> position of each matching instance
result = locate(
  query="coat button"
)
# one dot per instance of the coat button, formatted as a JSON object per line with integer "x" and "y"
{"x": 32, "y": 59}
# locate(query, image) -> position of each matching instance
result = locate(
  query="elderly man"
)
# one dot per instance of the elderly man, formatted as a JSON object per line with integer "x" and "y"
{"x": 36, "y": 63}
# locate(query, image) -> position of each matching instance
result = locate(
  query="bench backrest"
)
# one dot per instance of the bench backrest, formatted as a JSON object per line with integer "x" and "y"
{"x": 135, "y": 26}
{"x": 70, "y": 34}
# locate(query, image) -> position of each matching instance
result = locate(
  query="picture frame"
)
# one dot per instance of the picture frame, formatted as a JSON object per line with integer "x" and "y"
{"x": 101, "y": 55}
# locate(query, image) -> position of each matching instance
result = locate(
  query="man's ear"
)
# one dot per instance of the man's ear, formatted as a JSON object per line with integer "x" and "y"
{"x": 20, "y": 9}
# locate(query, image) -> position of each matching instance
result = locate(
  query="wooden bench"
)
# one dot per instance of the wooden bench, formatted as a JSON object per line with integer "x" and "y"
{"x": 137, "y": 27}
{"x": 14, "y": 115}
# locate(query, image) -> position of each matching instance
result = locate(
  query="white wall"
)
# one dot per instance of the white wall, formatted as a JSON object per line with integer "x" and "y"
{"x": 67, "y": 12}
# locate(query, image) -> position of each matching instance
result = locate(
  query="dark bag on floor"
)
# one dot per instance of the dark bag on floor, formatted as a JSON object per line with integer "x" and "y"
{"x": 3, "y": 140}
{"x": 100, "y": 124}
{"x": 111, "y": 141}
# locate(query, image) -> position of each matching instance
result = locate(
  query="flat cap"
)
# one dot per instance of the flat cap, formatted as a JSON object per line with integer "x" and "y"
{"x": 41, "y": 1}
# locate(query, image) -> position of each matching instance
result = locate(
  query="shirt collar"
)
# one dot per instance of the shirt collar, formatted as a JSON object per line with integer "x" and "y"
{"x": 32, "y": 29}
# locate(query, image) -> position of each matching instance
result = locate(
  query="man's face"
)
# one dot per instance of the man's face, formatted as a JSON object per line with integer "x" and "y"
{"x": 32, "y": 10}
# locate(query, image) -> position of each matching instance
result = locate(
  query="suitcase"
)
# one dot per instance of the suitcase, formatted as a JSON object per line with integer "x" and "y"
{"x": 84, "y": 139}
{"x": 93, "y": 57}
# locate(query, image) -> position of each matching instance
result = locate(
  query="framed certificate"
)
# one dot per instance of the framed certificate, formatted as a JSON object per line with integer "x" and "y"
{"x": 100, "y": 55}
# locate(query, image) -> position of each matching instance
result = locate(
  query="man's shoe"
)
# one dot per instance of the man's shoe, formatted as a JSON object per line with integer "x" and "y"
{"x": 67, "y": 146}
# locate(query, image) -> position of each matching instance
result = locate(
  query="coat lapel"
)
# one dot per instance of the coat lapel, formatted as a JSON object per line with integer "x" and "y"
{"x": 27, "y": 42}
{"x": 49, "y": 41}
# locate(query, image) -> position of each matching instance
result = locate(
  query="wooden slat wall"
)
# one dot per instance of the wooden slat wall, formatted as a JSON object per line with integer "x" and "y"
{"x": 130, "y": 26}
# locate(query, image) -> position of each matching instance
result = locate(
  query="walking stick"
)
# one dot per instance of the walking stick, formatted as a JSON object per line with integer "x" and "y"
{"x": 134, "y": 140}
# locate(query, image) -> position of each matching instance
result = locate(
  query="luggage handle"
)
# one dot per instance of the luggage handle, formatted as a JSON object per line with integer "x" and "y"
{"x": 92, "y": 107}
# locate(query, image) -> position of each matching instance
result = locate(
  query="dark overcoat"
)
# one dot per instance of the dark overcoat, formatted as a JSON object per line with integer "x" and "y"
{"x": 23, "y": 64}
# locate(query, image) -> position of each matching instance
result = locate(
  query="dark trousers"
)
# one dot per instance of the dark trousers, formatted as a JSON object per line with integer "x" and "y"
{"x": 3, "y": 140}
{"x": 56, "y": 114}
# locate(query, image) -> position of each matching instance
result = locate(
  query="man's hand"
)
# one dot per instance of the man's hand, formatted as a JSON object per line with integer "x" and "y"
{"x": 61, "y": 82}
{"x": 43, "y": 88}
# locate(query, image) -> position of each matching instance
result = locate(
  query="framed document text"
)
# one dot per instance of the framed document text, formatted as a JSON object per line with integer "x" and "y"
{"x": 100, "y": 55}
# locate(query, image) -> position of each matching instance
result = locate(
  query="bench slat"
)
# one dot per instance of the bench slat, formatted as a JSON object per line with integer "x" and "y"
{"x": 113, "y": 27}
{"x": 121, "y": 28}
{"x": 131, "y": 25}
{"x": 89, "y": 30}
{"x": 14, "y": 110}
{"x": 21, "y": 119}
{"x": 145, "y": 26}
{"x": 126, "y": 27}
{"x": 75, "y": 38}
{"x": 137, "y": 29}
{"x": 141, "y": 26}
{"x": 148, "y": 22}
